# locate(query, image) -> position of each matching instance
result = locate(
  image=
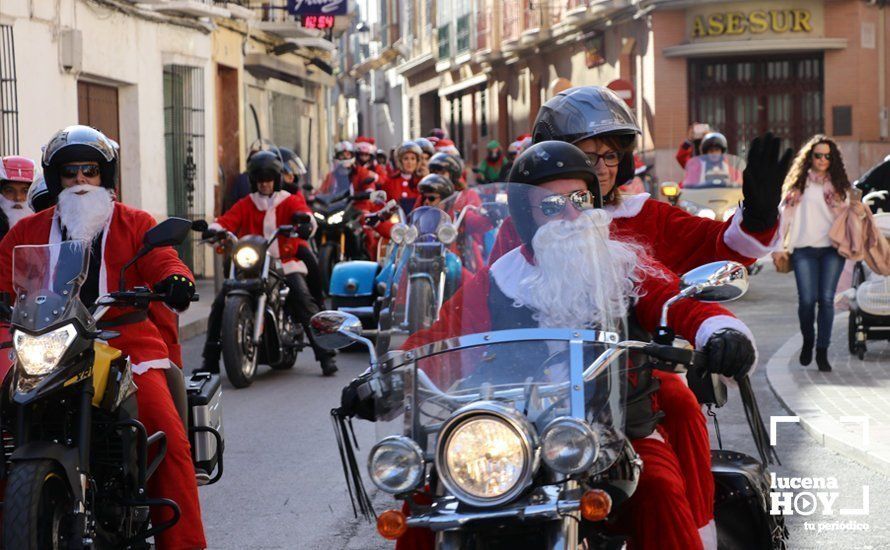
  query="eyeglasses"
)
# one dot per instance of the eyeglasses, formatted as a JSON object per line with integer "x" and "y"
{"x": 429, "y": 198}
{"x": 554, "y": 204}
{"x": 820, "y": 156}
{"x": 70, "y": 171}
{"x": 610, "y": 158}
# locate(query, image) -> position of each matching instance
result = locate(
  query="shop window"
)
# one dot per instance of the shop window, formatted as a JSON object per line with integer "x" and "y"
{"x": 9, "y": 104}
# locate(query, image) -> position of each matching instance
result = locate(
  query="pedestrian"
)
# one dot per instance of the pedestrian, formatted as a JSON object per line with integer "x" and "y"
{"x": 815, "y": 193}
{"x": 691, "y": 147}
{"x": 490, "y": 167}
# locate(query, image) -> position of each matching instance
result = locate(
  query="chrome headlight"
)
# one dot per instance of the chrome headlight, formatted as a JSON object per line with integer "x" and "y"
{"x": 395, "y": 464}
{"x": 569, "y": 446}
{"x": 39, "y": 355}
{"x": 398, "y": 233}
{"x": 411, "y": 235}
{"x": 318, "y": 216}
{"x": 446, "y": 233}
{"x": 487, "y": 454}
{"x": 246, "y": 257}
{"x": 336, "y": 218}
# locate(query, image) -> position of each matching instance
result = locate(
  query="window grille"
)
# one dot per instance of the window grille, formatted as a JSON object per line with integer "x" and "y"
{"x": 9, "y": 104}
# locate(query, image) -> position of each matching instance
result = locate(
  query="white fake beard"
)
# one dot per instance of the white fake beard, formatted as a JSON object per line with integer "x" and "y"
{"x": 14, "y": 211}
{"x": 583, "y": 279}
{"x": 85, "y": 216}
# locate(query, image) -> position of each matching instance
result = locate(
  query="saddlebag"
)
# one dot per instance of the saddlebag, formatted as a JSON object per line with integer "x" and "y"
{"x": 741, "y": 504}
{"x": 205, "y": 416}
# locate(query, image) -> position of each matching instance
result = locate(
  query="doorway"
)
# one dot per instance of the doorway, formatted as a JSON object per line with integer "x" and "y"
{"x": 228, "y": 133}
{"x": 97, "y": 106}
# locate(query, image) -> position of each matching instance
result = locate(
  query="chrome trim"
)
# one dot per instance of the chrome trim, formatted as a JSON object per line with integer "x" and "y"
{"x": 582, "y": 426}
{"x": 411, "y": 446}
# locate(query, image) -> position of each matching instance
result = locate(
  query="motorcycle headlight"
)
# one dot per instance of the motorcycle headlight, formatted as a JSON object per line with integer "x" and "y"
{"x": 246, "y": 257}
{"x": 39, "y": 355}
{"x": 396, "y": 465}
{"x": 318, "y": 216}
{"x": 486, "y": 460}
{"x": 411, "y": 235}
{"x": 569, "y": 446}
{"x": 336, "y": 218}
{"x": 446, "y": 233}
{"x": 398, "y": 233}
{"x": 707, "y": 213}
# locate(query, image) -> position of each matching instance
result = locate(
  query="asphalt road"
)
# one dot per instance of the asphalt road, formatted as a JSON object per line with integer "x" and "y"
{"x": 283, "y": 485}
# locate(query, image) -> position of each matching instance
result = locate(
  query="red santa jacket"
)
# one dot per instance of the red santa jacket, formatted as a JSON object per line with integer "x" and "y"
{"x": 400, "y": 187}
{"x": 259, "y": 215}
{"x": 122, "y": 238}
{"x": 673, "y": 237}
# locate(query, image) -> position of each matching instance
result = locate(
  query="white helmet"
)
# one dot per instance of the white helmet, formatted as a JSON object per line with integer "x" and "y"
{"x": 343, "y": 146}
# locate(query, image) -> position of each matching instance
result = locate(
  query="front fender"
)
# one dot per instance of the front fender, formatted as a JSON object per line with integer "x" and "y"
{"x": 353, "y": 278}
{"x": 66, "y": 457}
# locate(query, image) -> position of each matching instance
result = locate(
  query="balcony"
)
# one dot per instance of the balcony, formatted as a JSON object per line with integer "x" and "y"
{"x": 240, "y": 9}
{"x": 193, "y": 8}
{"x": 274, "y": 18}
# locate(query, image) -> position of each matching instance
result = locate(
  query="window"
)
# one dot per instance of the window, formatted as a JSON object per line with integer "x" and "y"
{"x": 445, "y": 41}
{"x": 463, "y": 33}
{"x": 483, "y": 108}
{"x": 9, "y": 105}
{"x": 285, "y": 120}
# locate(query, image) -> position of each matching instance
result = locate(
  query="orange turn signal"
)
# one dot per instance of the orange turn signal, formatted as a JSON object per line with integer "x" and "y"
{"x": 595, "y": 505}
{"x": 392, "y": 524}
{"x": 220, "y": 249}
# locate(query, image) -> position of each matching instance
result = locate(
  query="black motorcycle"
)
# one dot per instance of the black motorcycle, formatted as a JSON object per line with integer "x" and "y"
{"x": 75, "y": 456}
{"x": 339, "y": 236}
{"x": 256, "y": 326}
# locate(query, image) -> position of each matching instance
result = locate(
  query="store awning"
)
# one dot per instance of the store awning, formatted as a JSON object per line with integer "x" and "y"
{"x": 713, "y": 49}
{"x": 385, "y": 57}
{"x": 463, "y": 85}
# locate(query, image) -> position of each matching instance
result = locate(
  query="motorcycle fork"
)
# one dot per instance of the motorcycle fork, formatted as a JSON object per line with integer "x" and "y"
{"x": 342, "y": 246}
{"x": 260, "y": 318}
{"x": 84, "y": 436}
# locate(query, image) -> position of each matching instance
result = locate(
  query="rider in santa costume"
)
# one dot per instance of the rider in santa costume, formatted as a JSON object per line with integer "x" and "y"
{"x": 569, "y": 272}
{"x": 80, "y": 166}
{"x": 601, "y": 124}
{"x": 401, "y": 185}
{"x": 366, "y": 155}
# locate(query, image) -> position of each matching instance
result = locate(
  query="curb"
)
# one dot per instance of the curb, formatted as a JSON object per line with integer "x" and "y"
{"x": 822, "y": 427}
{"x": 192, "y": 329}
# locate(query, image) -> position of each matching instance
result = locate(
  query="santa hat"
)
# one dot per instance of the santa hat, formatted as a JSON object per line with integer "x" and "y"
{"x": 364, "y": 144}
{"x": 446, "y": 146}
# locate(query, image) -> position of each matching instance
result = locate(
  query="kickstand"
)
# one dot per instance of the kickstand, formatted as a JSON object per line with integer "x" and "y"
{"x": 713, "y": 415}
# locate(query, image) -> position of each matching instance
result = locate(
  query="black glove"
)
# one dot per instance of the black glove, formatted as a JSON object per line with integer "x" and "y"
{"x": 358, "y": 401}
{"x": 762, "y": 182}
{"x": 730, "y": 353}
{"x": 495, "y": 213}
{"x": 210, "y": 234}
{"x": 304, "y": 230}
{"x": 177, "y": 290}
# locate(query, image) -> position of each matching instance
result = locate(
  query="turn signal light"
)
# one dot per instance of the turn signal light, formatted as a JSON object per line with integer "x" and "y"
{"x": 670, "y": 190}
{"x": 392, "y": 524}
{"x": 220, "y": 249}
{"x": 595, "y": 505}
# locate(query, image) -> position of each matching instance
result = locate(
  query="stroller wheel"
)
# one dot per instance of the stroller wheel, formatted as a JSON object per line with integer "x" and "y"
{"x": 860, "y": 354}
{"x": 852, "y": 345}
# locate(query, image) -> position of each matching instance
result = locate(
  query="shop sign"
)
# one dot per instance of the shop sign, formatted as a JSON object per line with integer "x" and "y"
{"x": 317, "y": 7}
{"x": 750, "y": 20}
{"x": 624, "y": 90}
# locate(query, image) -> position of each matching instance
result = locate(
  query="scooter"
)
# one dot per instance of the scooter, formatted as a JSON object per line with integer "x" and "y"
{"x": 711, "y": 187}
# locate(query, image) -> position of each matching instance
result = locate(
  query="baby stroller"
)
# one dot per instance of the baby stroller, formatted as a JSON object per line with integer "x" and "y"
{"x": 870, "y": 295}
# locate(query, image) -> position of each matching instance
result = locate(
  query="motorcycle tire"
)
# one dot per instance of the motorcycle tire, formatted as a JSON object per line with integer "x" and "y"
{"x": 327, "y": 258}
{"x": 37, "y": 506}
{"x": 289, "y": 352}
{"x": 238, "y": 350}
{"x": 421, "y": 310}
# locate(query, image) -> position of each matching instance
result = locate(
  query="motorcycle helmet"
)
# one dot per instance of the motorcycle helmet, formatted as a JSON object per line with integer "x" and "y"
{"x": 434, "y": 183}
{"x": 447, "y": 146}
{"x": 514, "y": 149}
{"x": 17, "y": 169}
{"x": 714, "y": 139}
{"x": 365, "y": 145}
{"x": 77, "y": 144}
{"x": 426, "y": 146}
{"x": 264, "y": 166}
{"x": 541, "y": 163}
{"x": 344, "y": 147}
{"x": 292, "y": 163}
{"x": 408, "y": 147}
{"x": 438, "y": 133}
{"x": 39, "y": 197}
{"x": 261, "y": 144}
{"x": 451, "y": 164}
{"x": 584, "y": 112}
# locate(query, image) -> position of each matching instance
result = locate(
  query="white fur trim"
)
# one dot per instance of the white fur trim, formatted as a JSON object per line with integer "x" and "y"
{"x": 143, "y": 367}
{"x": 630, "y": 206}
{"x": 216, "y": 227}
{"x": 509, "y": 270}
{"x": 713, "y": 324}
{"x": 270, "y": 219}
{"x": 655, "y": 435}
{"x": 743, "y": 243}
{"x": 294, "y": 266}
{"x": 708, "y": 535}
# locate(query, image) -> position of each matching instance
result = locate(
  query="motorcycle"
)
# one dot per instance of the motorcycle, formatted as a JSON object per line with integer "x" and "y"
{"x": 711, "y": 187}
{"x": 516, "y": 438}
{"x": 256, "y": 326}
{"x": 76, "y": 457}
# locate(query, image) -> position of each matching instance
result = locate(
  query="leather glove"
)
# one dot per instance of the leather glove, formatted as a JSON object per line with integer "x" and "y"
{"x": 177, "y": 290}
{"x": 357, "y": 401}
{"x": 209, "y": 234}
{"x": 730, "y": 353}
{"x": 762, "y": 182}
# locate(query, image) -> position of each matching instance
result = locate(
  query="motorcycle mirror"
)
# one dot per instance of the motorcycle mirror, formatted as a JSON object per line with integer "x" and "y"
{"x": 200, "y": 226}
{"x": 169, "y": 232}
{"x": 716, "y": 282}
{"x": 333, "y": 330}
{"x": 301, "y": 217}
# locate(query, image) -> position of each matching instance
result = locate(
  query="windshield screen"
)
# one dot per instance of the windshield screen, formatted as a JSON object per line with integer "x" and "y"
{"x": 47, "y": 279}
{"x": 713, "y": 171}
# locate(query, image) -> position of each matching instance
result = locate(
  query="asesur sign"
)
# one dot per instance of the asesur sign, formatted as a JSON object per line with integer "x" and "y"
{"x": 317, "y": 7}
{"x": 753, "y": 20}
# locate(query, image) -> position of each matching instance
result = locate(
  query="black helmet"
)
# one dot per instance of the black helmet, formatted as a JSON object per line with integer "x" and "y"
{"x": 264, "y": 166}
{"x": 543, "y": 162}
{"x": 39, "y": 198}
{"x": 292, "y": 163}
{"x": 261, "y": 144}
{"x": 78, "y": 144}
{"x": 585, "y": 112}
{"x": 714, "y": 139}
{"x": 448, "y": 163}
{"x": 434, "y": 183}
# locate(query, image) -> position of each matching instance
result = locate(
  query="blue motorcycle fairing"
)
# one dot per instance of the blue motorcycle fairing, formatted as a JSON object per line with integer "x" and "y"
{"x": 354, "y": 278}
{"x": 427, "y": 219}
{"x": 453, "y": 273}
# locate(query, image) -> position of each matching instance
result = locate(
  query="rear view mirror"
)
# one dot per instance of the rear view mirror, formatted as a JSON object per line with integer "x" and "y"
{"x": 333, "y": 330}
{"x": 716, "y": 282}
{"x": 169, "y": 232}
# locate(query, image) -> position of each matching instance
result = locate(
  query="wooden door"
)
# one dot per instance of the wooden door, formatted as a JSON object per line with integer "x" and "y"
{"x": 97, "y": 106}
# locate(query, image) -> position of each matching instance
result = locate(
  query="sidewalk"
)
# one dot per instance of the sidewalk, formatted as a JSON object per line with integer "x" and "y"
{"x": 194, "y": 321}
{"x": 825, "y": 401}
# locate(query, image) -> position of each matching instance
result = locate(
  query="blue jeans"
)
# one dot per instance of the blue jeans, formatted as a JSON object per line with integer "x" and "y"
{"x": 817, "y": 271}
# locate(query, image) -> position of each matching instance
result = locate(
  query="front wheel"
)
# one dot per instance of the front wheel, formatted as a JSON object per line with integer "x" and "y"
{"x": 421, "y": 306}
{"x": 37, "y": 512}
{"x": 238, "y": 350}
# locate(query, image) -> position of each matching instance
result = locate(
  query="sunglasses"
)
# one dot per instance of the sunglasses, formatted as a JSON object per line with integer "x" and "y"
{"x": 554, "y": 204}
{"x": 70, "y": 171}
{"x": 610, "y": 158}
{"x": 820, "y": 156}
{"x": 430, "y": 198}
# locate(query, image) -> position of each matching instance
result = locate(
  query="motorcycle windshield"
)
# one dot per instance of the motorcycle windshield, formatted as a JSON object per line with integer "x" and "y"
{"x": 714, "y": 171}
{"x": 427, "y": 219}
{"x": 47, "y": 279}
{"x": 337, "y": 188}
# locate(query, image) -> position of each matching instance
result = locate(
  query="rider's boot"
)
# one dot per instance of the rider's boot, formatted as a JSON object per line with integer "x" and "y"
{"x": 328, "y": 363}
{"x": 211, "y": 355}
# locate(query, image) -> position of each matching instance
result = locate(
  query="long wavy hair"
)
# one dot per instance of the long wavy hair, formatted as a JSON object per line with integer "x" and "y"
{"x": 800, "y": 168}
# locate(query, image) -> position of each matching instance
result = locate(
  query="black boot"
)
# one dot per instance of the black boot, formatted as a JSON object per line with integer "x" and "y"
{"x": 822, "y": 360}
{"x": 328, "y": 364}
{"x": 806, "y": 352}
{"x": 211, "y": 354}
